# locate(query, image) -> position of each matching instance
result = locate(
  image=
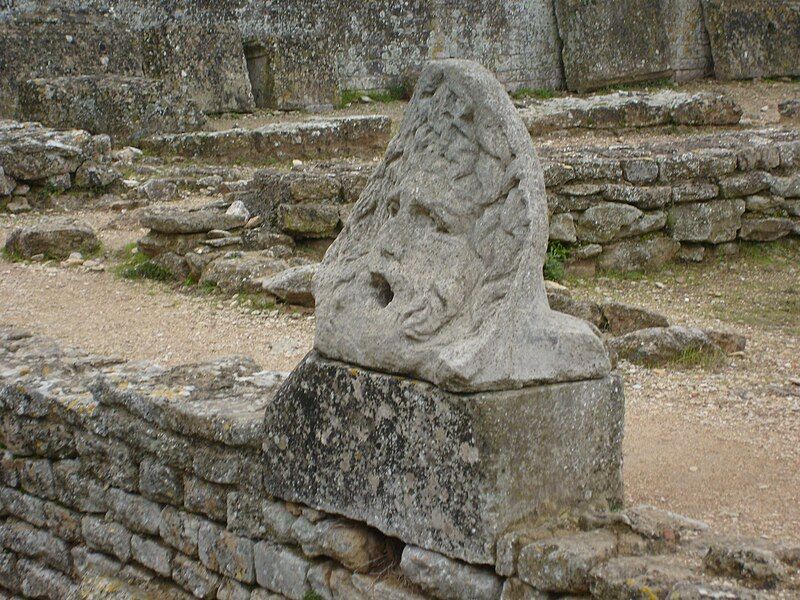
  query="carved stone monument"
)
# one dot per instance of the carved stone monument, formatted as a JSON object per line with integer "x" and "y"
{"x": 444, "y": 401}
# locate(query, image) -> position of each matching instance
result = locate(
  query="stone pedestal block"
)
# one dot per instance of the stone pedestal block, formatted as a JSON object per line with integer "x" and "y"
{"x": 448, "y": 472}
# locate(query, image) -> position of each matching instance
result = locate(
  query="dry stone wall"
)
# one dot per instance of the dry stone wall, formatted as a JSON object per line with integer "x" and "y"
{"x": 148, "y": 482}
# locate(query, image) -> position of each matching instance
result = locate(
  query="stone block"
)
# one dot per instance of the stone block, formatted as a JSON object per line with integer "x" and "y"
{"x": 111, "y": 538}
{"x": 226, "y": 553}
{"x": 160, "y": 482}
{"x": 765, "y": 230}
{"x": 133, "y": 511}
{"x": 609, "y": 43}
{"x": 63, "y": 522}
{"x": 205, "y": 498}
{"x": 624, "y": 318}
{"x": 194, "y": 577}
{"x": 489, "y": 485}
{"x": 694, "y": 192}
{"x": 38, "y": 544}
{"x": 55, "y": 237}
{"x": 203, "y": 62}
{"x": 749, "y": 39}
{"x": 40, "y": 582}
{"x": 714, "y": 222}
{"x": 258, "y": 518}
{"x": 152, "y": 555}
{"x": 77, "y": 490}
{"x": 89, "y": 563}
{"x": 282, "y": 570}
{"x": 23, "y": 506}
{"x": 448, "y": 579}
{"x": 638, "y": 254}
{"x": 562, "y": 228}
{"x": 36, "y": 477}
{"x": 127, "y": 108}
{"x": 233, "y": 590}
{"x": 564, "y": 564}
{"x": 309, "y": 220}
{"x": 180, "y": 529}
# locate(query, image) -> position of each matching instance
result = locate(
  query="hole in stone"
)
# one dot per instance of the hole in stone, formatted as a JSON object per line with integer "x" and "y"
{"x": 383, "y": 291}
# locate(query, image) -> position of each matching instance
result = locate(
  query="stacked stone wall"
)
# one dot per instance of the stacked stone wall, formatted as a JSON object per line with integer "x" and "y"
{"x": 120, "y": 477}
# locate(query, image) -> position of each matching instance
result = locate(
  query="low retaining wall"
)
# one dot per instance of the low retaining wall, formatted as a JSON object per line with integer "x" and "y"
{"x": 626, "y": 207}
{"x": 119, "y": 472}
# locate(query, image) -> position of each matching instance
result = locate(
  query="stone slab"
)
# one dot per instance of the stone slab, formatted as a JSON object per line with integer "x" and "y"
{"x": 753, "y": 38}
{"x": 127, "y": 108}
{"x": 606, "y": 43}
{"x": 204, "y": 62}
{"x": 447, "y": 472}
{"x": 359, "y": 136}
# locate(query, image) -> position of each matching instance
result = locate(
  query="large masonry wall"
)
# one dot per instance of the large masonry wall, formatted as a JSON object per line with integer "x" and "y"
{"x": 317, "y": 48}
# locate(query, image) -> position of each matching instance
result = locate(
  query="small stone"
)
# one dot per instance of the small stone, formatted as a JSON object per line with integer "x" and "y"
{"x": 447, "y": 578}
{"x": 623, "y": 318}
{"x": 281, "y": 569}
{"x": 239, "y": 210}
{"x": 748, "y": 561}
{"x": 55, "y": 237}
{"x": 563, "y": 564}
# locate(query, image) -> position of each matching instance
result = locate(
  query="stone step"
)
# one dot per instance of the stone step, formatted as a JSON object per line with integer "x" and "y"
{"x": 358, "y": 136}
{"x": 629, "y": 109}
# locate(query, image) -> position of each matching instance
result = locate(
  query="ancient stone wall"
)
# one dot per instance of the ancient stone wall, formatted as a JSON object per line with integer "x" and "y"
{"x": 318, "y": 48}
{"x": 127, "y": 477}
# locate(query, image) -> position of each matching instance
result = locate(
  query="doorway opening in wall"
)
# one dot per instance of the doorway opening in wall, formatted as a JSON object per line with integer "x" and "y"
{"x": 259, "y": 68}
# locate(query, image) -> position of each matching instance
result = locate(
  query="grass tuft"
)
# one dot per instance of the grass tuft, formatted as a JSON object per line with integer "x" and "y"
{"x": 137, "y": 266}
{"x": 526, "y": 92}
{"x": 557, "y": 255}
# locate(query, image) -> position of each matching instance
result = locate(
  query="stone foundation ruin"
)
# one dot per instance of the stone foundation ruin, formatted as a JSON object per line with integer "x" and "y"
{"x": 489, "y": 474}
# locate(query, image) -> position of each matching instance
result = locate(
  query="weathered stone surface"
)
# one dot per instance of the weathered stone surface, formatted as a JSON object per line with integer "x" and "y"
{"x": 630, "y": 109}
{"x": 107, "y": 536}
{"x": 206, "y": 498}
{"x": 582, "y": 309}
{"x": 363, "y": 137}
{"x": 160, "y": 482}
{"x": 765, "y": 230}
{"x": 174, "y": 221}
{"x": 623, "y": 318}
{"x": 637, "y": 577}
{"x": 609, "y": 221}
{"x": 309, "y": 220}
{"x": 563, "y": 564}
{"x": 152, "y": 555}
{"x": 42, "y": 545}
{"x": 294, "y": 286}
{"x": 180, "y": 529}
{"x": 659, "y": 346}
{"x": 713, "y": 222}
{"x": 226, "y": 553}
{"x": 282, "y": 570}
{"x": 751, "y": 562}
{"x": 448, "y": 579}
{"x": 422, "y": 283}
{"x": 601, "y": 48}
{"x": 753, "y": 39}
{"x": 194, "y": 577}
{"x": 203, "y": 62}
{"x": 638, "y": 255}
{"x": 128, "y": 108}
{"x": 133, "y": 511}
{"x": 516, "y": 589}
{"x": 54, "y": 237}
{"x": 729, "y": 342}
{"x": 40, "y": 582}
{"x": 243, "y": 274}
{"x": 315, "y": 440}
{"x": 562, "y": 228}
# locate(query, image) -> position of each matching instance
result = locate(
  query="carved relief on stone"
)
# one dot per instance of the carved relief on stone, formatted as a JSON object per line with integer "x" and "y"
{"x": 438, "y": 273}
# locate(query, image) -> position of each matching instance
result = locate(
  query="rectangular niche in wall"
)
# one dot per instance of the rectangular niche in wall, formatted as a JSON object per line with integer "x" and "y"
{"x": 259, "y": 67}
